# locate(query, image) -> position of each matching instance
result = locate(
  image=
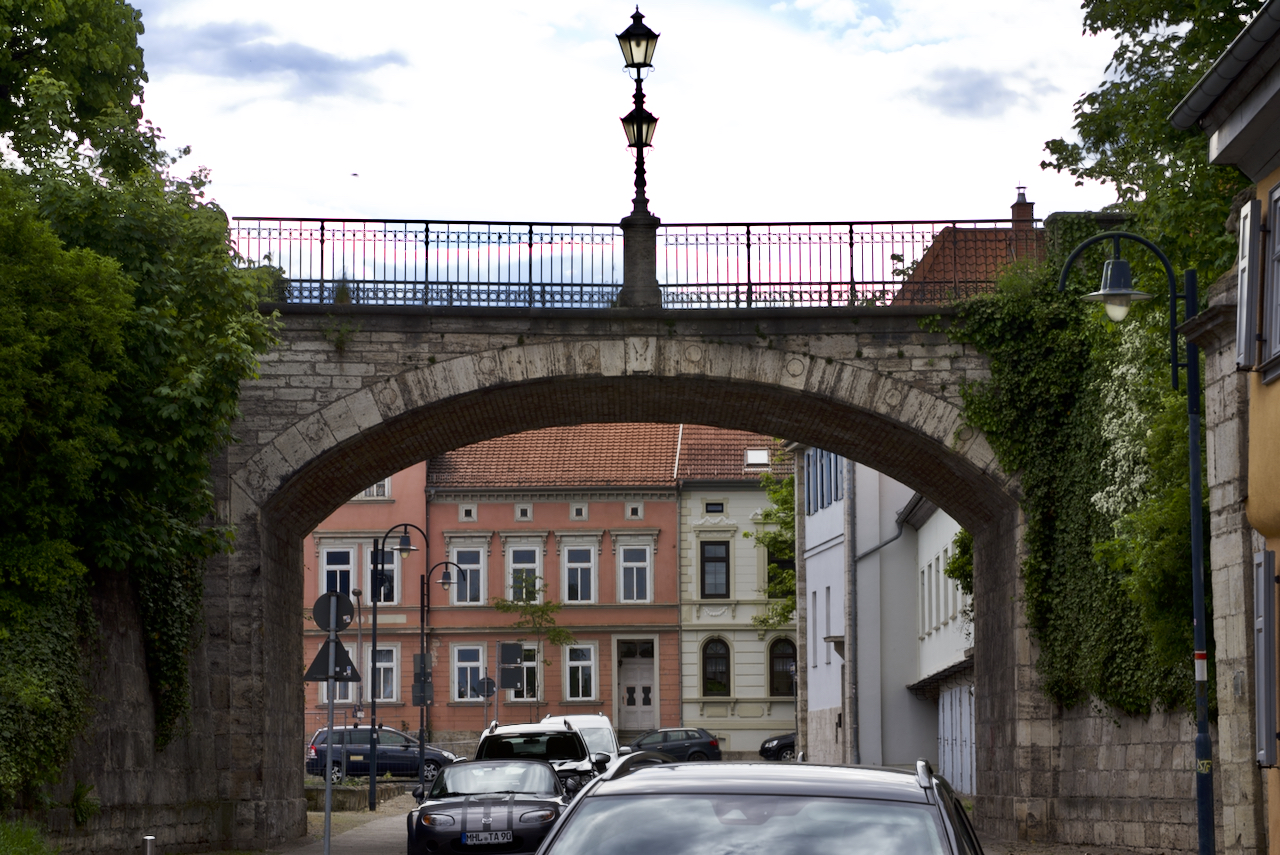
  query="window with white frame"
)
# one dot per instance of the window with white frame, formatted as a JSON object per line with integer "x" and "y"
{"x": 580, "y": 663}
{"x": 524, "y": 512}
{"x": 390, "y": 593}
{"x": 384, "y": 671}
{"x": 531, "y": 683}
{"x": 522, "y": 573}
{"x": 336, "y": 566}
{"x": 378, "y": 490}
{"x": 468, "y": 588}
{"x": 636, "y": 577}
{"x": 579, "y": 574}
{"x": 468, "y": 669}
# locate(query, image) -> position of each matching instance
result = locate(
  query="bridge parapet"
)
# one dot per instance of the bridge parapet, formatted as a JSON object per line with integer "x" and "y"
{"x": 579, "y": 265}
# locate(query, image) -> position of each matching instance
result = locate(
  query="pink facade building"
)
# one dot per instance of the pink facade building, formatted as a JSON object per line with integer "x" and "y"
{"x": 586, "y": 516}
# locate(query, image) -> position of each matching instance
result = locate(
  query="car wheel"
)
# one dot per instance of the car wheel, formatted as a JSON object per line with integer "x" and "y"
{"x": 335, "y": 773}
{"x": 696, "y": 756}
{"x": 787, "y": 754}
{"x": 429, "y": 771}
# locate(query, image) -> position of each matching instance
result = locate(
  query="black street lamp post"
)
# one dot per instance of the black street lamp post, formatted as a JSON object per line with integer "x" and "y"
{"x": 1116, "y": 294}
{"x": 639, "y": 229}
{"x": 404, "y": 547}
{"x": 424, "y": 606}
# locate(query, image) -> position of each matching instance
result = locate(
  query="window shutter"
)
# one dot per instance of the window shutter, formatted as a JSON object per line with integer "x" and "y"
{"x": 1264, "y": 656}
{"x": 1247, "y": 268}
{"x": 1271, "y": 286}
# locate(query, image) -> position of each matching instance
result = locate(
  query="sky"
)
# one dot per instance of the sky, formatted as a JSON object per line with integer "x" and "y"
{"x": 769, "y": 110}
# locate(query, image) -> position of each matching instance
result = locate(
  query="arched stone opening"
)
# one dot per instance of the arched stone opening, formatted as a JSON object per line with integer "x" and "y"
{"x": 277, "y": 489}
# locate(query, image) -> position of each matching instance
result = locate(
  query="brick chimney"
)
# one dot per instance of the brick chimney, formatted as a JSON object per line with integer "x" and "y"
{"x": 1024, "y": 212}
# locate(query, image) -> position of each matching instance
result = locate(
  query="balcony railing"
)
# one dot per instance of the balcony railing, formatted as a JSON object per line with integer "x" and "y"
{"x": 579, "y": 265}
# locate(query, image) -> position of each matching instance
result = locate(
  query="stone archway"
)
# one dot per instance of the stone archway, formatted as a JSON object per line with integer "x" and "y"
{"x": 274, "y": 490}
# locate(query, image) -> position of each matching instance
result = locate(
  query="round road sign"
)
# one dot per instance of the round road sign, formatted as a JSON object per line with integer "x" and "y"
{"x": 346, "y": 611}
{"x": 486, "y": 687}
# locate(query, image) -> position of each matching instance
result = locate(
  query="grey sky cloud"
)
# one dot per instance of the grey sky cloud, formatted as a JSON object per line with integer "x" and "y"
{"x": 973, "y": 93}
{"x": 238, "y": 51}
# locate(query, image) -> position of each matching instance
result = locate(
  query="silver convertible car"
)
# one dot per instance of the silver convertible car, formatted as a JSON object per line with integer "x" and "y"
{"x": 484, "y": 806}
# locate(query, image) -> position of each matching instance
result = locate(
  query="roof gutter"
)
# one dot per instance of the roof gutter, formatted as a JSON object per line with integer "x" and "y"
{"x": 1226, "y": 68}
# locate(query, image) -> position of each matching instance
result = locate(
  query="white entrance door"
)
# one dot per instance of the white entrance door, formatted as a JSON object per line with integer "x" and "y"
{"x": 635, "y": 695}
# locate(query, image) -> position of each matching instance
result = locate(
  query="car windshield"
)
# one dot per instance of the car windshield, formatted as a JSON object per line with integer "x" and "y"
{"x": 686, "y": 824}
{"x": 532, "y": 746}
{"x": 599, "y": 739}
{"x": 512, "y": 776}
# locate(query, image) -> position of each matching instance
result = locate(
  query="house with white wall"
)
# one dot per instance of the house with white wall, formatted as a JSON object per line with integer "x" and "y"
{"x": 892, "y": 683}
{"x": 738, "y": 680}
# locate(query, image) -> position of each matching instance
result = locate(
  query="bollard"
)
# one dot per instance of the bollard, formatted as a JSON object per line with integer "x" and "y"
{"x": 149, "y": 845}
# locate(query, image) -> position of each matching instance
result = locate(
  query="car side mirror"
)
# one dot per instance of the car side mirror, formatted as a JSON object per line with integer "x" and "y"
{"x": 417, "y": 792}
{"x": 572, "y": 785}
{"x": 625, "y": 749}
{"x": 600, "y": 761}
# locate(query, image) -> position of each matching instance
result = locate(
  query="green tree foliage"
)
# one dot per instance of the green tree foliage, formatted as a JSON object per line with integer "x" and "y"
{"x": 1162, "y": 175}
{"x": 126, "y": 332}
{"x": 1081, "y": 408}
{"x": 89, "y": 48}
{"x": 537, "y": 614}
{"x": 781, "y": 544}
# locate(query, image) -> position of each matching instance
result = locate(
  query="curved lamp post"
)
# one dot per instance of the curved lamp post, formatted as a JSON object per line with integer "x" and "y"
{"x": 404, "y": 547}
{"x": 639, "y": 229}
{"x": 1117, "y": 294}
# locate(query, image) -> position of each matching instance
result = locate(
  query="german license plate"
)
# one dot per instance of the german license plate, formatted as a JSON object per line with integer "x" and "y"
{"x": 480, "y": 838}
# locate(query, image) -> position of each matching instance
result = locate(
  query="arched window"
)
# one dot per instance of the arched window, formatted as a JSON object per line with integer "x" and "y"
{"x": 782, "y": 668}
{"x": 715, "y": 668}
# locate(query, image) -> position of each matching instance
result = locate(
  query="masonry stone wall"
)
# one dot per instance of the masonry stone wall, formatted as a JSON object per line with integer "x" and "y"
{"x": 353, "y": 394}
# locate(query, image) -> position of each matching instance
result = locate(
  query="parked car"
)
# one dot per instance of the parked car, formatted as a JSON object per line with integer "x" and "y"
{"x": 487, "y": 806}
{"x": 796, "y": 809}
{"x": 569, "y": 748}
{"x": 682, "y": 743}
{"x": 779, "y": 747}
{"x": 397, "y": 754}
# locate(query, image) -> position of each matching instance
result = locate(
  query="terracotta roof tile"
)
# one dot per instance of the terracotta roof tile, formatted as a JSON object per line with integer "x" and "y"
{"x": 718, "y": 454}
{"x": 962, "y": 262}
{"x": 576, "y": 456}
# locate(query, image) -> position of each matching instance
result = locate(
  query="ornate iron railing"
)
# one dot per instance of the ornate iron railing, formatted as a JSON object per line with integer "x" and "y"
{"x": 579, "y": 265}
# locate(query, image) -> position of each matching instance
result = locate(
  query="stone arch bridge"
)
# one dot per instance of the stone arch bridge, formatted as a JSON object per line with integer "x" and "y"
{"x": 354, "y": 393}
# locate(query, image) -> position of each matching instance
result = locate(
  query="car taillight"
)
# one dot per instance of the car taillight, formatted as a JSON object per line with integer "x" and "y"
{"x": 715, "y": 743}
{"x": 311, "y": 752}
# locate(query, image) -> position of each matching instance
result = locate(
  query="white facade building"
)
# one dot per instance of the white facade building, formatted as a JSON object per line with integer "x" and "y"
{"x": 737, "y": 680}
{"x": 905, "y": 690}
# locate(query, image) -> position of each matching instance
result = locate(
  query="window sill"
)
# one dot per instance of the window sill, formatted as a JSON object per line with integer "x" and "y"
{"x": 581, "y": 703}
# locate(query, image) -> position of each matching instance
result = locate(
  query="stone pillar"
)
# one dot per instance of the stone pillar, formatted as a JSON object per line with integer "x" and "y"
{"x": 640, "y": 262}
{"x": 1237, "y": 780}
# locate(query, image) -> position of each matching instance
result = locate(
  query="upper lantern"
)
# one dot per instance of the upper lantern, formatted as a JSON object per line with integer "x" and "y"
{"x": 638, "y": 42}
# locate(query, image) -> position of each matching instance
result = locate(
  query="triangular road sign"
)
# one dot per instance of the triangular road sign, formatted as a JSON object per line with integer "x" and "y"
{"x": 344, "y": 670}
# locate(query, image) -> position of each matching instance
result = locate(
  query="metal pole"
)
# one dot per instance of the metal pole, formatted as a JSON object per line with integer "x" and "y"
{"x": 328, "y": 742}
{"x": 422, "y": 710}
{"x": 375, "y": 595}
{"x": 1204, "y": 747}
{"x": 149, "y": 844}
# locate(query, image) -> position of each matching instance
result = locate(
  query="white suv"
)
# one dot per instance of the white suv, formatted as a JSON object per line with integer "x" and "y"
{"x": 577, "y": 746}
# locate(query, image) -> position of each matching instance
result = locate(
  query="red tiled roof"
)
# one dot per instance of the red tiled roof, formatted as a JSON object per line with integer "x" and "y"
{"x": 578, "y": 456}
{"x": 965, "y": 261}
{"x": 719, "y": 454}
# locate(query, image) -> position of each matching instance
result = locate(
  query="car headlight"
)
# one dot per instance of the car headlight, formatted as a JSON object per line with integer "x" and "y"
{"x": 771, "y": 743}
{"x": 450, "y": 755}
{"x": 538, "y": 816}
{"x": 437, "y": 820}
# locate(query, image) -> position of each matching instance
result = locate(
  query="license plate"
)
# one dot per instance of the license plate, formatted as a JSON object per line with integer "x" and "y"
{"x": 480, "y": 838}
{"x": 356, "y": 757}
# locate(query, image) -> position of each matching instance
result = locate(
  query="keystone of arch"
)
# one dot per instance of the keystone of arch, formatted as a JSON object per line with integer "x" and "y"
{"x": 372, "y": 406}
